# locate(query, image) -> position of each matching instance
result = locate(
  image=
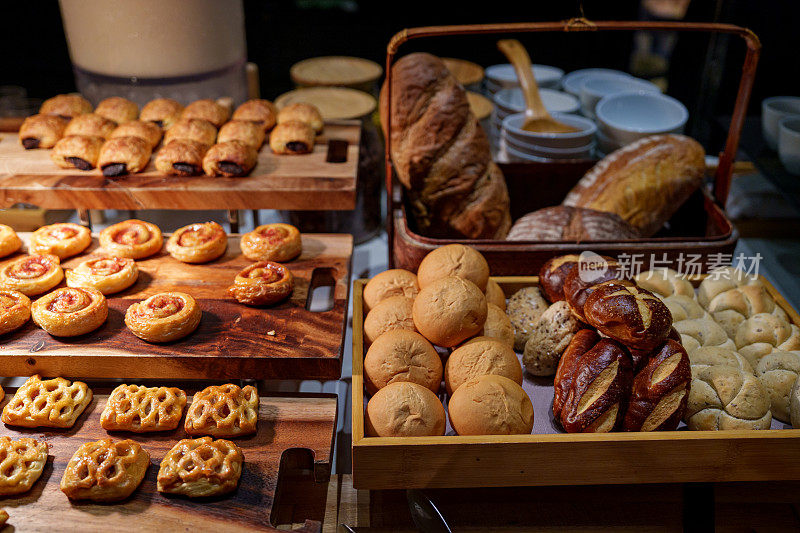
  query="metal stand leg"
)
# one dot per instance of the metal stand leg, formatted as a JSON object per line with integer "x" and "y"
{"x": 233, "y": 220}
{"x": 698, "y": 507}
{"x": 255, "y": 218}
{"x": 85, "y": 218}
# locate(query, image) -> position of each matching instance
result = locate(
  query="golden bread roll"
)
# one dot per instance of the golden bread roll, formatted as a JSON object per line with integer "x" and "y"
{"x": 404, "y": 409}
{"x": 479, "y": 358}
{"x": 491, "y": 405}
{"x": 495, "y": 295}
{"x": 400, "y": 355}
{"x": 498, "y": 326}
{"x": 454, "y": 260}
{"x": 394, "y": 282}
{"x": 450, "y": 310}
{"x": 391, "y": 313}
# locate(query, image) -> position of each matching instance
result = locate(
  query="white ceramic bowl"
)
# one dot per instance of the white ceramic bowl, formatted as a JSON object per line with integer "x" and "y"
{"x": 581, "y": 152}
{"x": 512, "y": 126}
{"x": 596, "y": 86}
{"x": 627, "y": 117}
{"x": 504, "y": 76}
{"x": 772, "y": 111}
{"x": 573, "y": 81}
{"x": 515, "y": 153}
{"x": 511, "y": 101}
{"x": 789, "y": 144}
{"x": 604, "y": 143}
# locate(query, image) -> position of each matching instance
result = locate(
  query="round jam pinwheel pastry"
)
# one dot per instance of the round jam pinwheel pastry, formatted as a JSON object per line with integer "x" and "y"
{"x": 9, "y": 240}
{"x": 32, "y": 274}
{"x": 272, "y": 242}
{"x": 163, "y": 317}
{"x": 262, "y": 283}
{"x": 106, "y": 274}
{"x": 198, "y": 243}
{"x": 133, "y": 238}
{"x": 70, "y": 311}
{"x": 62, "y": 240}
{"x": 15, "y": 310}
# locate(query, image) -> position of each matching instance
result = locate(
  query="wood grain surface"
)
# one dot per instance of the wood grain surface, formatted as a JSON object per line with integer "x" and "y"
{"x": 285, "y": 341}
{"x": 277, "y": 182}
{"x": 285, "y": 423}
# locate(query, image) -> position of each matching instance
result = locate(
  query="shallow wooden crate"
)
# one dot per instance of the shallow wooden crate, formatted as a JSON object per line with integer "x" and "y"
{"x": 453, "y": 461}
{"x": 307, "y": 181}
{"x": 284, "y": 341}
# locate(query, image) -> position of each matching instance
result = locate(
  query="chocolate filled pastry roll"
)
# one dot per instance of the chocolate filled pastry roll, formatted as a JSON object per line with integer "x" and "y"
{"x": 9, "y": 240}
{"x": 292, "y": 137}
{"x": 77, "y": 151}
{"x": 70, "y": 311}
{"x": 260, "y": 111}
{"x": 302, "y": 113}
{"x": 118, "y": 109}
{"x": 163, "y": 317}
{"x": 263, "y": 283}
{"x": 148, "y": 131}
{"x": 207, "y": 110}
{"x": 32, "y": 274}
{"x": 198, "y": 243}
{"x": 181, "y": 157}
{"x": 124, "y": 155}
{"x": 231, "y": 159}
{"x": 163, "y": 112}
{"x": 62, "y": 240}
{"x": 272, "y": 242}
{"x": 133, "y": 238}
{"x": 41, "y": 131}
{"x": 251, "y": 133}
{"x": 195, "y": 129}
{"x": 106, "y": 274}
{"x": 90, "y": 125}
{"x": 15, "y": 310}
{"x": 66, "y": 106}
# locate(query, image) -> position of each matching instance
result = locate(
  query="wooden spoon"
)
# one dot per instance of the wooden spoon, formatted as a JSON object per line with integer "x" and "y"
{"x": 537, "y": 119}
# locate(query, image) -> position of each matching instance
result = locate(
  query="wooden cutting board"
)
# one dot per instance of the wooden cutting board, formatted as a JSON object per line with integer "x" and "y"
{"x": 285, "y": 341}
{"x": 306, "y": 181}
{"x": 304, "y": 422}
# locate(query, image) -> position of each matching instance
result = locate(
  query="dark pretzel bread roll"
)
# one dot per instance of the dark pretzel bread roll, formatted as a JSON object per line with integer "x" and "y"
{"x": 553, "y": 274}
{"x": 629, "y": 314}
{"x": 582, "y": 342}
{"x": 641, "y": 357}
{"x": 660, "y": 391}
{"x": 580, "y": 282}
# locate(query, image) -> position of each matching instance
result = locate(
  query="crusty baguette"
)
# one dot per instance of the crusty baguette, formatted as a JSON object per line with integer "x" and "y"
{"x": 644, "y": 182}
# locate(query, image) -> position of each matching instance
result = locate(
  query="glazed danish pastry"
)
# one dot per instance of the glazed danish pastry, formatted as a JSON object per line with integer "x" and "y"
{"x": 163, "y": 112}
{"x": 22, "y": 464}
{"x": 231, "y": 159}
{"x": 54, "y": 403}
{"x": 62, "y": 240}
{"x": 263, "y": 112}
{"x": 77, "y": 151}
{"x": 70, "y": 311}
{"x": 209, "y": 110}
{"x": 15, "y": 310}
{"x": 302, "y": 112}
{"x": 66, "y": 106}
{"x": 124, "y": 155}
{"x": 105, "y": 470}
{"x": 251, "y": 133}
{"x": 272, "y": 242}
{"x": 41, "y": 131}
{"x": 223, "y": 411}
{"x": 163, "y": 317}
{"x": 90, "y": 125}
{"x": 195, "y": 129}
{"x": 9, "y": 240}
{"x": 106, "y": 274}
{"x": 32, "y": 274}
{"x": 198, "y": 243}
{"x": 132, "y": 238}
{"x": 181, "y": 157}
{"x": 143, "y": 409}
{"x": 262, "y": 283}
{"x": 118, "y": 109}
{"x": 292, "y": 137}
{"x": 148, "y": 131}
{"x": 201, "y": 467}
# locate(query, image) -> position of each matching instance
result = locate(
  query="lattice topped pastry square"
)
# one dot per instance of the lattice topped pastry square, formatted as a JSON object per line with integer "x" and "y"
{"x": 21, "y": 464}
{"x": 142, "y": 409}
{"x": 223, "y": 411}
{"x": 201, "y": 467}
{"x": 105, "y": 470}
{"x": 55, "y": 403}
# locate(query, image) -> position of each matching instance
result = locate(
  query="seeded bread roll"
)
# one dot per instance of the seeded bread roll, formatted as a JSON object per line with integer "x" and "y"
{"x": 454, "y": 260}
{"x": 698, "y": 332}
{"x": 392, "y": 313}
{"x": 524, "y": 309}
{"x": 778, "y": 371}
{"x": 549, "y": 338}
{"x": 404, "y": 409}
{"x": 479, "y": 358}
{"x": 764, "y": 333}
{"x": 717, "y": 356}
{"x": 394, "y": 282}
{"x": 726, "y": 397}
{"x": 794, "y": 405}
{"x": 450, "y": 310}
{"x": 491, "y": 405}
{"x": 400, "y": 355}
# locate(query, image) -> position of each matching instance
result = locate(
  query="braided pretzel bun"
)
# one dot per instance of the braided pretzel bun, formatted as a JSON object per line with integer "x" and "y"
{"x": 726, "y": 397}
{"x": 664, "y": 282}
{"x": 134, "y": 239}
{"x": 70, "y": 311}
{"x": 553, "y": 274}
{"x": 764, "y": 333}
{"x": 778, "y": 371}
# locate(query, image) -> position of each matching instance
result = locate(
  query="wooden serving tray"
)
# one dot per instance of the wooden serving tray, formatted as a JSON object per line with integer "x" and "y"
{"x": 299, "y": 423}
{"x": 285, "y": 341}
{"x": 543, "y": 458}
{"x": 277, "y": 182}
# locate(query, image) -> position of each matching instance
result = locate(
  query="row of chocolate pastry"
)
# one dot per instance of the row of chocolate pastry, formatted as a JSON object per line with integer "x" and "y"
{"x": 198, "y": 138}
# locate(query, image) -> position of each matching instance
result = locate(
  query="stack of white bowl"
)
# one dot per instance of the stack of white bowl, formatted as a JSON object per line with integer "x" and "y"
{"x": 510, "y": 101}
{"x": 503, "y": 76}
{"x": 518, "y": 145}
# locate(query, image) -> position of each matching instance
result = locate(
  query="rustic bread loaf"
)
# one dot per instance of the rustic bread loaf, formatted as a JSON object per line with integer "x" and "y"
{"x": 441, "y": 153}
{"x": 778, "y": 371}
{"x": 644, "y": 182}
{"x": 575, "y": 224}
